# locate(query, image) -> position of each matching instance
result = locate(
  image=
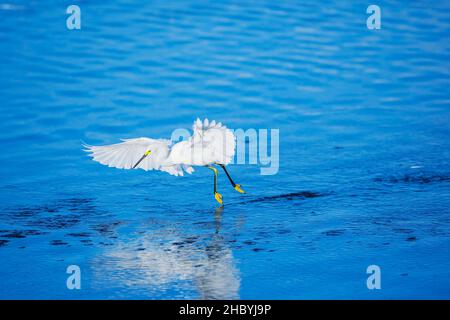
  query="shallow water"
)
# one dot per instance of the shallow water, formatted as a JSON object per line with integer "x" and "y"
{"x": 364, "y": 149}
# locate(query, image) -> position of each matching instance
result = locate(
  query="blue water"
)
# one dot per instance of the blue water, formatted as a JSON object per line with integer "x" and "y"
{"x": 364, "y": 174}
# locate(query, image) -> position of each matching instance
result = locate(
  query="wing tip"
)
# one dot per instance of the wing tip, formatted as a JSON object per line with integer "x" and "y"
{"x": 87, "y": 147}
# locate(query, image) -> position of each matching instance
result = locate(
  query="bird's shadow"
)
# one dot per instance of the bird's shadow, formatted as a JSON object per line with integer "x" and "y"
{"x": 291, "y": 196}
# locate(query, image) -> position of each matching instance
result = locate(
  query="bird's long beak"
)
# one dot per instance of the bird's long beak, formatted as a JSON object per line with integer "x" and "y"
{"x": 142, "y": 158}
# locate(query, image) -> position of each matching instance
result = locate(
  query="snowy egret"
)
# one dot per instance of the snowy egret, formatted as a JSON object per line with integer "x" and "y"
{"x": 210, "y": 144}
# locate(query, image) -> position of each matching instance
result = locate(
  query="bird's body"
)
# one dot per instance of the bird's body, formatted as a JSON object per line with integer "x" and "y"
{"x": 211, "y": 143}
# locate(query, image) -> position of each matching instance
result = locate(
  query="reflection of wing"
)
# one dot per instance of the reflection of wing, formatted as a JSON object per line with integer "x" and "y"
{"x": 168, "y": 262}
{"x": 216, "y": 141}
{"x": 126, "y": 154}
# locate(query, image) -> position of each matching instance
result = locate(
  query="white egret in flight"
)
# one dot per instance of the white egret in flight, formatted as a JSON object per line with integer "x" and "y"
{"x": 210, "y": 144}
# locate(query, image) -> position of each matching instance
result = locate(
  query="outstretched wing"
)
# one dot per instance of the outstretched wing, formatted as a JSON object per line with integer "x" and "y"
{"x": 216, "y": 142}
{"x": 125, "y": 155}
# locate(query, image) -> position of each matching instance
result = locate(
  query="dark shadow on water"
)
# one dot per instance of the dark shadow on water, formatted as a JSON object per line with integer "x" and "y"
{"x": 18, "y": 234}
{"x": 418, "y": 178}
{"x": 301, "y": 195}
{"x": 44, "y": 219}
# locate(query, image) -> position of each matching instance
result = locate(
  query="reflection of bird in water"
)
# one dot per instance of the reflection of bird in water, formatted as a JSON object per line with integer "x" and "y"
{"x": 218, "y": 218}
{"x": 217, "y": 279}
{"x": 171, "y": 261}
{"x": 210, "y": 144}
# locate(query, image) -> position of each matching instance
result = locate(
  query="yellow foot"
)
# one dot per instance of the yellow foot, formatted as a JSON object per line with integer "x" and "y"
{"x": 218, "y": 197}
{"x": 238, "y": 188}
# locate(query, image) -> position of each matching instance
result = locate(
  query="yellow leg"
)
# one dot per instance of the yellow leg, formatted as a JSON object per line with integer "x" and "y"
{"x": 217, "y": 195}
{"x": 236, "y": 186}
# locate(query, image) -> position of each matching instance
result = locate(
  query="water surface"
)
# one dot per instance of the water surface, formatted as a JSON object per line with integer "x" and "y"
{"x": 364, "y": 149}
